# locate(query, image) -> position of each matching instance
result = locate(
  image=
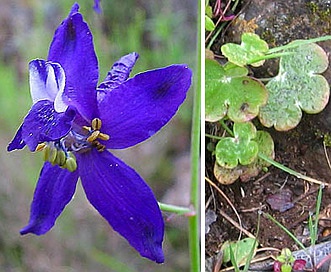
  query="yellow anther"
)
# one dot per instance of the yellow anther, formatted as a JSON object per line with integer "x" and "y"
{"x": 103, "y": 136}
{"x": 96, "y": 124}
{"x": 40, "y": 147}
{"x": 94, "y": 135}
{"x": 87, "y": 128}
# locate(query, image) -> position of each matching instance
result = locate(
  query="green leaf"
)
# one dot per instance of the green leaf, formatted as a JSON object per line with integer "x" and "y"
{"x": 298, "y": 86}
{"x": 245, "y": 172}
{"x": 286, "y": 268}
{"x": 209, "y": 10}
{"x": 241, "y": 250}
{"x": 286, "y": 257}
{"x": 209, "y": 24}
{"x": 251, "y": 48}
{"x": 229, "y": 91}
{"x": 229, "y": 151}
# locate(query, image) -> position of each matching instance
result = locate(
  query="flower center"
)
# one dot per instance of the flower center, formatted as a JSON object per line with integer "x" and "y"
{"x": 94, "y": 134}
{"x": 61, "y": 152}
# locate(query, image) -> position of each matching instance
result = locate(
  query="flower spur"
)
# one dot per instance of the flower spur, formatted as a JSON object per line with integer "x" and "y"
{"x": 75, "y": 122}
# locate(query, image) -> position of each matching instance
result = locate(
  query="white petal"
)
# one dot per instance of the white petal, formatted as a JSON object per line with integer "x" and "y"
{"x": 47, "y": 81}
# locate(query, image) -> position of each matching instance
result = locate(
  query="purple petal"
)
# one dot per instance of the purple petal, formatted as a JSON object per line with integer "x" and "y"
{"x": 17, "y": 142}
{"x": 124, "y": 200}
{"x": 118, "y": 74}
{"x": 96, "y": 6}
{"x": 55, "y": 189}
{"x": 47, "y": 81}
{"x": 72, "y": 47}
{"x": 43, "y": 124}
{"x": 141, "y": 106}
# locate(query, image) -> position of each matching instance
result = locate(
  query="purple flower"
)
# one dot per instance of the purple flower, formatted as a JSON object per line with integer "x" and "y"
{"x": 75, "y": 122}
{"x": 96, "y": 6}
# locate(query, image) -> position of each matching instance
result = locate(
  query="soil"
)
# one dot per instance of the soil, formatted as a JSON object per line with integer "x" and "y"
{"x": 301, "y": 148}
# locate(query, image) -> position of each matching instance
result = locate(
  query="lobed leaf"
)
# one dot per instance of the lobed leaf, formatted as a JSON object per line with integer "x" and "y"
{"x": 245, "y": 172}
{"x": 298, "y": 86}
{"x": 238, "y": 149}
{"x": 251, "y": 48}
{"x": 229, "y": 91}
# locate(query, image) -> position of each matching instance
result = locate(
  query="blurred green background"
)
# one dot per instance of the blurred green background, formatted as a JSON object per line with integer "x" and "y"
{"x": 162, "y": 32}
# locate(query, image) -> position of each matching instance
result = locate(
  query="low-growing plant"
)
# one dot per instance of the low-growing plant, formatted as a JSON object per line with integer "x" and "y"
{"x": 287, "y": 261}
{"x": 234, "y": 98}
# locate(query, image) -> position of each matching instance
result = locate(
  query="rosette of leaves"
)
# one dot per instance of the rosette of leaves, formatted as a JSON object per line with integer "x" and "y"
{"x": 297, "y": 87}
{"x": 229, "y": 91}
{"x": 252, "y": 48}
{"x": 246, "y": 172}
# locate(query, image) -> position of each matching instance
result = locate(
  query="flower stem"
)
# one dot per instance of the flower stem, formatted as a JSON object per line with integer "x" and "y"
{"x": 175, "y": 209}
{"x": 193, "y": 221}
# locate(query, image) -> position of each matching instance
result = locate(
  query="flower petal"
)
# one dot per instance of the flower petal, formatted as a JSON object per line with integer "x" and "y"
{"x": 47, "y": 81}
{"x": 43, "y": 124}
{"x": 141, "y": 106}
{"x": 55, "y": 189}
{"x": 17, "y": 142}
{"x": 124, "y": 200}
{"x": 72, "y": 47}
{"x": 118, "y": 74}
{"x": 96, "y": 6}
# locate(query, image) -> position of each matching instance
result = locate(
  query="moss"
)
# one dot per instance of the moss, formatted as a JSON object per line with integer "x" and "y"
{"x": 327, "y": 139}
{"x": 325, "y": 136}
{"x": 320, "y": 15}
{"x": 268, "y": 36}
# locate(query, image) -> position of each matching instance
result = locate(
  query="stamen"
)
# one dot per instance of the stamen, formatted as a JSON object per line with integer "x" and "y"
{"x": 87, "y": 128}
{"x": 93, "y": 136}
{"x": 99, "y": 147}
{"x": 96, "y": 124}
{"x": 61, "y": 152}
{"x": 40, "y": 147}
{"x": 103, "y": 136}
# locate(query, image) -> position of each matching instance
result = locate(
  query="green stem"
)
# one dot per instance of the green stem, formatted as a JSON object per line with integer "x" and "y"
{"x": 228, "y": 130}
{"x": 175, "y": 209}
{"x": 314, "y": 230}
{"x": 298, "y": 43}
{"x": 270, "y": 56}
{"x": 215, "y": 36}
{"x": 288, "y": 170}
{"x": 295, "y": 239}
{"x": 194, "y": 221}
{"x": 274, "y": 52}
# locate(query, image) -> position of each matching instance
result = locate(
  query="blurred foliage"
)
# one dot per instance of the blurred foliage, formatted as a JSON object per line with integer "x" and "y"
{"x": 162, "y": 32}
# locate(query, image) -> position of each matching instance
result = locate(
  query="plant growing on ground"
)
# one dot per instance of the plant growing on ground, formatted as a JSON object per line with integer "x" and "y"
{"x": 286, "y": 260}
{"x": 232, "y": 95}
